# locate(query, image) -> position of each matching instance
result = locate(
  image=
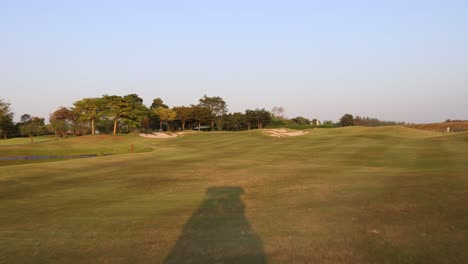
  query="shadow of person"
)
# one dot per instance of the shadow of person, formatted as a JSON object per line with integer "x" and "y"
{"x": 218, "y": 232}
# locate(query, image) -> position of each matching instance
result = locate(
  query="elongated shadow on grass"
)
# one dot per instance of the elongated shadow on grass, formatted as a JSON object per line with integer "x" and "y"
{"x": 218, "y": 232}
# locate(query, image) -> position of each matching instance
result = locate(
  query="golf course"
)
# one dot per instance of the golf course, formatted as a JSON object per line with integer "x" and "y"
{"x": 342, "y": 195}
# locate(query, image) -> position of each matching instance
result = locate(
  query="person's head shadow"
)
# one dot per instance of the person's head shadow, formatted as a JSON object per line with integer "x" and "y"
{"x": 218, "y": 232}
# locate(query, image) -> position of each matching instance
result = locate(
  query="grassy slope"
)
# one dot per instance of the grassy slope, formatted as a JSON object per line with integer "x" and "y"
{"x": 25, "y": 140}
{"x": 442, "y": 127}
{"x": 49, "y": 146}
{"x": 351, "y": 195}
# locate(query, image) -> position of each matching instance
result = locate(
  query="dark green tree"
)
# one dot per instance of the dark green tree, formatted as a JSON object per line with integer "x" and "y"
{"x": 128, "y": 110}
{"x": 346, "y": 120}
{"x": 234, "y": 121}
{"x": 184, "y": 113}
{"x": 263, "y": 117}
{"x": 250, "y": 118}
{"x": 90, "y": 109}
{"x": 201, "y": 114}
{"x": 6, "y": 119}
{"x": 165, "y": 115}
{"x": 260, "y": 117}
{"x": 60, "y": 121}
{"x": 30, "y": 126}
{"x": 300, "y": 120}
{"x": 218, "y": 108}
{"x": 158, "y": 102}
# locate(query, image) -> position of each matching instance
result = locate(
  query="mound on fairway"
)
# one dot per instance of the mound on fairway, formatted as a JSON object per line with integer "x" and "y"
{"x": 348, "y": 195}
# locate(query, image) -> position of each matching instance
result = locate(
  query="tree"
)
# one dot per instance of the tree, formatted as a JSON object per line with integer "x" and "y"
{"x": 278, "y": 111}
{"x": 300, "y": 120}
{"x": 165, "y": 115}
{"x": 158, "y": 102}
{"x": 250, "y": 117}
{"x": 259, "y": 116}
{"x": 184, "y": 113}
{"x": 346, "y": 120}
{"x": 128, "y": 110}
{"x": 30, "y": 126}
{"x": 139, "y": 111}
{"x": 238, "y": 120}
{"x": 60, "y": 121}
{"x": 6, "y": 118}
{"x": 278, "y": 121}
{"x": 201, "y": 114}
{"x": 277, "y": 116}
{"x": 328, "y": 124}
{"x": 373, "y": 122}
{"x": 263, "y": 117}
{"x": 115, "y": 108}
{"x": 58, "y": 127}
{"x": 89, "y": 109}
{"x": 217, "y": 106}
{"x": 233, "y": 121}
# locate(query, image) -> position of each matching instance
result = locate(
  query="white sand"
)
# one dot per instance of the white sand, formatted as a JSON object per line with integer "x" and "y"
{"x": 281, "y": 132}
{"x": 160, "y": 135}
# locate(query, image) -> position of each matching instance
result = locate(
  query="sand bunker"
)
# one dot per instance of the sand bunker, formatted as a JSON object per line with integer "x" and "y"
{"x": 161, "y": 135}
{"x": 282, "y": 132}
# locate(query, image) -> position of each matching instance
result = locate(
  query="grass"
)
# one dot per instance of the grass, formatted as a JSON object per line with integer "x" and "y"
{"x": 348, "y": 195}
{"x": 96, "y": 145}
{"x": 442, "y": 127}
{"x": 25, "y": 140}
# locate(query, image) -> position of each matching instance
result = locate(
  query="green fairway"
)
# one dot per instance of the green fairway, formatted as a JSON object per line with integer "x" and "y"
{"x": 25, "y": 140}
{"x": 345, "y": 195}
{"x": 89, "y": 145}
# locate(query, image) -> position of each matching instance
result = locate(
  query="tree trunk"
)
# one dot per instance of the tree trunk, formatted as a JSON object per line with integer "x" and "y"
{"x": 183, "y": 125}
{"x": 160, "y": 125}
{"x": 31, "y": 137}
{"x": 220, "y": 123}
{"x": 199, "y": 126}
{"x": 260, "y": 125}
{"x": 115, "y": 126}
{"x": 92, "y": 126}
{"x": 248, "y": 124}
{"x": 212, "y": 124}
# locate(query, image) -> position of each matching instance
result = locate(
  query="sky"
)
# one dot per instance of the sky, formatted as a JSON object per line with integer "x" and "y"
{"x": 394, "y": 60}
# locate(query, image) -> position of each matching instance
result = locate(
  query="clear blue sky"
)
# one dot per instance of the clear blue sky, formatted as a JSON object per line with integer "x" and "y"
{"x": 395, "y": 60}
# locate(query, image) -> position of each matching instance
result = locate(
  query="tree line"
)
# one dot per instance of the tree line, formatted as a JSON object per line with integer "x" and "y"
{"x": 350, "y": 120}
{"x": 112, "y": 114}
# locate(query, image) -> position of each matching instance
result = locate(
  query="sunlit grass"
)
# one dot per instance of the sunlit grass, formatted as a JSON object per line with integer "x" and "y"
{"x": 25, "y": 140}
{"x": 351, "y": 195}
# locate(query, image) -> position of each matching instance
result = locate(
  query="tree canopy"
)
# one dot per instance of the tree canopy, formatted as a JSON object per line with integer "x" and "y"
{"x": 90, "y": 109}
{"x": 184, "y": 113}
{"x": 347, "y": 120}
{"x": 126, "y": 113}
{"x": 217, "y": 106}
{"x": 31, "y": 125}
{"x": 6, "y": 118}
{"x": 165, "y": 115}
{"x": 158, "y": 102}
